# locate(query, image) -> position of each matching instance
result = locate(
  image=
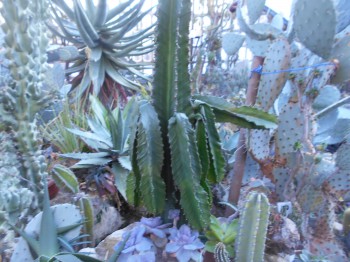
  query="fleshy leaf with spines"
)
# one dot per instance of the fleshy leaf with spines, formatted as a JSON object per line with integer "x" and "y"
{"x": 186, "y": 171}
{"x": 150, "y": 157}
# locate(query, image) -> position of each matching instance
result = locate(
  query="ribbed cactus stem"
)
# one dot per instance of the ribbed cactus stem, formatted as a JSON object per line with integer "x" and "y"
{"x": 346, "y": 221}
{"x": 250, "y": 243}
{"x": 220, "y": 253}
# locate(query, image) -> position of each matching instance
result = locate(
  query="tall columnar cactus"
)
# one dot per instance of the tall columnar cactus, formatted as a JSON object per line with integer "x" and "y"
{"x": 26, "y": 42}
{"x": 252, "y": 230}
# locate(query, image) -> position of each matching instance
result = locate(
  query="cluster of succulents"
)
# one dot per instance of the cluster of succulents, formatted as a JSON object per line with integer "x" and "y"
{"x": 149, "y": 237}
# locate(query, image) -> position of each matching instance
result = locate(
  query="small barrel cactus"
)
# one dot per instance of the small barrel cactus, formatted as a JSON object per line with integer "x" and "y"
{"x": 220, "y": 253}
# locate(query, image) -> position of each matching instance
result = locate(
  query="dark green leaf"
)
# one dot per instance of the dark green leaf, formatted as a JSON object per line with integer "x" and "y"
{"x": 150, "y": 157}
{"x": 186, "y": 171}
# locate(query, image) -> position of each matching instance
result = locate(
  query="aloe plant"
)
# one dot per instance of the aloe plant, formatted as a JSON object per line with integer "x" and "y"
{"x": 175, "y": 146}
{"x": 107, "y": 137}
{"x": 106, "y": 44}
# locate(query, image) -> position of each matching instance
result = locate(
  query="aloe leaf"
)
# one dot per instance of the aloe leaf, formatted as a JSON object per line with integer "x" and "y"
{"x": 86, "y": 29}
{"x": 64, "y": 177}
{"x": 117, "y": 77}
{"x": 86, "y": 163}
{"x": 97, "y": 75}
{"x": 65, "y": 244}
{"x": 117, "y": 130}
{"x": 86, "y": 208}
{"x": 127, "y": 28}
{"x": 101, "y": 13}
{"x": 90, "y": 9}
{"x": 95, "y": 54}
{"x": 91, "y": 136}
{"x": 185, "y": 165}
{"x": 120, "y": 178}
{"x": 65, "y": 8}
{"x": 118, "y": 9}
{"x": 217, "y": 158}
{"x": 150, "y": 159}
{"x": 48, "y": 244}
{"x": 99, "y": 111}
{"x": 85, "y": 155}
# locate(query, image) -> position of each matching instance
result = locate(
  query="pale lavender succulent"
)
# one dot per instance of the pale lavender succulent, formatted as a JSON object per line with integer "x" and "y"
{"x": 184, "y": 244}
{"x": 137, "y": 247}
{"x": 154, "y": 226}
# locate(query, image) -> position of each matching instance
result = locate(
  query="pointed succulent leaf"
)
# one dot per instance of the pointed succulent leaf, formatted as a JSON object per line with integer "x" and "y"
{"x": 86, "y": 29}
{"x": 64, "y": 177}
{"x": 91, "y": 136}
{"x": 186, "y": 171}
{"x": 245, "y": 116}
{"x": 120, "y": 178}
{"x": 214, "y": 143}
{"x": 101, "y": 13}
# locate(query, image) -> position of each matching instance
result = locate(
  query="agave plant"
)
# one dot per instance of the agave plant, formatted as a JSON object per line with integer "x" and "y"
{"x": 108, "y": 138}
{"x": 107, "y": 39}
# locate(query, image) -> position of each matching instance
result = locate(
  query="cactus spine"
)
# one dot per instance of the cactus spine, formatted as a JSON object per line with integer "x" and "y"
{"x": 26, "y": 43}
{"x": 220, "y": 253}
{"x": 250, "y": 244}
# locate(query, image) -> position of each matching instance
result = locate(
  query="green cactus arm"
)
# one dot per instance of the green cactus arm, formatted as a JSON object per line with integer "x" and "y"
{"x": 165, "y": 72}
{"x": 183, "y": 76}
{"x": 186, "y": 171}
{"x": 150, "y": 158}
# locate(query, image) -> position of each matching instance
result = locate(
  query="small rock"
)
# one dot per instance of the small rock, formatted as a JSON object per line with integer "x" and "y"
{"x": 91, "y": 252}
{"x": 106, "y": 247}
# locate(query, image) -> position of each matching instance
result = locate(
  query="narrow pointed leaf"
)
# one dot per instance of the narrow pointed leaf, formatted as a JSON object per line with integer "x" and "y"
{"x": 101, "y": 13}
{"x": 64, "y": 177}
{"x": 245, "y": 116}
{"x": 216, "y": 156}
{"x": 48, "y": 244}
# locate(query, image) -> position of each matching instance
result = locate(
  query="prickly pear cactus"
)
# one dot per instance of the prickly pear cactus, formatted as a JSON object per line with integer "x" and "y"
{"x": 312, "y": 14}
{"x": 232, "y": 42}
{"x": 253, "y": 223}
{"x": 259, "y": 144}
{"x": 341, "y": 54}
{"x": 290, "y": 132}
{"x": 340, "y": 180}
{"x": 64, "y": 215}
{"x": 277, "y": 58}
{"x": 260, "y": 47}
